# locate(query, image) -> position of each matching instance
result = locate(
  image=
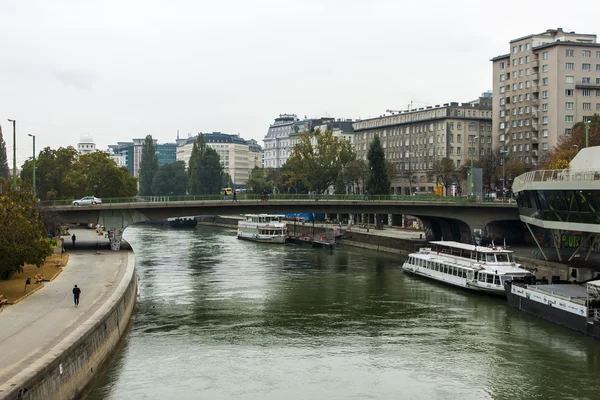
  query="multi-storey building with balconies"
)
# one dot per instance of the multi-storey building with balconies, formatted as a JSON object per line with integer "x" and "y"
{"x": 548, "y": 82}
{"x": 414, "y": 139}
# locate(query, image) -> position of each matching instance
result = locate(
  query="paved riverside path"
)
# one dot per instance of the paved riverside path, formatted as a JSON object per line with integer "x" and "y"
{"x": 32, "y": 327}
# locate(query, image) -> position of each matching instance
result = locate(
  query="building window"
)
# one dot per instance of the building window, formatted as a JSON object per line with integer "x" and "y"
{"x": 545, "y": 120}
{"x": 545, "y": 68}
{"x": 502, "y": 78}
{"x": 597, "y": 67}
{"x": 514, "y": 62}
{"x": 514, "y": 86}
{"x": 502, "y": 137}
{"x": 567, "y": 131}
{"x": 545, "y": 107}
{"x": 587, "y": 53}
{"x": 527, "y": 59}
{"x": 502, "y": 65}
{"x": 520, "y": 135}
{"x": 527, "y": 96}
{"x": 526, "y": 46}
{"x": 501, "y": 125}
{"x": 569, "y": 79}
{"x": 545, "y": 55}
{"x": 502, "y": 113}
{"x": 520, "y": 85}
{"x": 586, "y": 79}
{"x": 527, "y": 135}
{"x": 502, "y": 89}
{"x": 569, "y": 105}
{"x": 514, "y": 74}
{"x": 568, "y": 118}
{"x": 570, "y": 66}
{"x": 520, "y": 60}
{"x": 514, "y": 49}
{"x": 544, "y": 132}
{"x": 545, "y": 146}
{"x": 586, "y": 67}
{"x": 587, "y": 92}
{"x": 597, "y": 106}
{"x": 457, "y": 163}
{"x": 501, "y": 102}
{"x": 520, "y": 73}
{"x": 569, "y": 92}
{"x": 526, "y": 84}
{"x": 587, "y": 106}
{"x": 570, "y": 53}
{"x": 598, "y": 54}
{"x": 526, "y": 71}
{"x": 545, "y": 94}
{"x": 514, "y": 99}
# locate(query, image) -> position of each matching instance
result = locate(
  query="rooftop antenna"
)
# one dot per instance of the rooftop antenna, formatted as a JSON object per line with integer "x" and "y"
{"x": 177, "y": 134}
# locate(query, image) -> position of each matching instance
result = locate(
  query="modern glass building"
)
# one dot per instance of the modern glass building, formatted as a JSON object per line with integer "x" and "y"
{"x": 559, "y": 201}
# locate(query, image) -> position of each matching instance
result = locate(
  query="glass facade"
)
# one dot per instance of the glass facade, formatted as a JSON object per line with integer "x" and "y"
{"x": 166, "y": 153}
{"x": 580, "y": 206}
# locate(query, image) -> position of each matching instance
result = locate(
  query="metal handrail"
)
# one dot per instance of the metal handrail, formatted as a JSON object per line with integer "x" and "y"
{"x": 273, "y": 197}
{"x": 558, "y": 175}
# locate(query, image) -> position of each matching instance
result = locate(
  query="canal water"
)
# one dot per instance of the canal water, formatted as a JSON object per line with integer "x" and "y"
{"x": 221, "y": 318}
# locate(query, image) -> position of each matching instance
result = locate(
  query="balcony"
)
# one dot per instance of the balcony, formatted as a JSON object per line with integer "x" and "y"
{"x": 534, "y": 153}
{"x": 535, "y": 64}
{"x": 535, "y": 76}
{"x": 534, "y": 127}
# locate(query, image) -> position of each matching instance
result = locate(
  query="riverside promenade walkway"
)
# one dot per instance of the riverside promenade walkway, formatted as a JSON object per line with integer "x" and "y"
{"x": 30, "y": 329}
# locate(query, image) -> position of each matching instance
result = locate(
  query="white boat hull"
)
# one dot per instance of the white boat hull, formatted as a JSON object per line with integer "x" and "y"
{"x": 276, "y": 239}
{"x": 454, "y": 280}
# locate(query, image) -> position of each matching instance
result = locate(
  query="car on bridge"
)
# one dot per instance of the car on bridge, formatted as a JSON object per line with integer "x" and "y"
{"x": 87, "y": 201}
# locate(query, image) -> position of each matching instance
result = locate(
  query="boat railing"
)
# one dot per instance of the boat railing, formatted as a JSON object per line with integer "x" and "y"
{"x": 558, "y": 175}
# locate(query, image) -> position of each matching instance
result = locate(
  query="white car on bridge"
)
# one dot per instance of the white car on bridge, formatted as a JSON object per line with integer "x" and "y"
{"x": 87, "y": 201}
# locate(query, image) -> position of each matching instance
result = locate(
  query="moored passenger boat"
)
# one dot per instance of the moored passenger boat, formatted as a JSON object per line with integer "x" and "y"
{"x": 575, "y": 306}
{"x": 479, "y": 268}
{"x": 264, "y": 228}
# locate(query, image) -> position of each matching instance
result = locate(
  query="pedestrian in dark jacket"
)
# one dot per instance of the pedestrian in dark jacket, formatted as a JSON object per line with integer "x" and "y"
{"x": 76, "y": 293}
{"x": 73, "y": 238}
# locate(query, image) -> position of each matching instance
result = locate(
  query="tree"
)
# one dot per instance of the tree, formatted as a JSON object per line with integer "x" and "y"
{"x": 170, "y": 180}
{"x": 318, "y": 159}
{"x": 568, "y": 146}
{"x": 489, "y": 166}
{"x": 227, "y": 182}
{"x": 24, "y": 239}
{"x": 356, "y": 172}
{"x": 378, "y": 181}
{"x": 444, "y": 172}
{"x": 148, "y": 166}
{"x": 62, "y": 174}
{"x": 514, "y": 168}
{"x": 3, "y": 157}
{"x": 340, "y": 185}
{"x": 205, "y": 169}
{"x": 52, "y": 168}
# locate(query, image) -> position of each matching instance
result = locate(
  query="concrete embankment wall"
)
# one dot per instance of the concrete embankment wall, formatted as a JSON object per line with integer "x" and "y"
{"x": 64, "y": 372}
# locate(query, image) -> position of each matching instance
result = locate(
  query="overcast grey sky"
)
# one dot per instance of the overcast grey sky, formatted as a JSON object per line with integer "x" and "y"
{"x": 119, "y": 69}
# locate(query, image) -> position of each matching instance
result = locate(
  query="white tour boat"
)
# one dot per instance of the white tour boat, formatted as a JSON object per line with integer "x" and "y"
{"x": 480, "y": 268}
{"x": 264, "y": 228}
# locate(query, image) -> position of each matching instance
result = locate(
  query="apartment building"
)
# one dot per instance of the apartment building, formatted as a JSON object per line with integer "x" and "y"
{"x": 232, "y": 149}
{"x": 542, "y": 87}
{"x": 277, "y": 141}
{"x": 414, "y": 139}
{"x": 255, "y": 154}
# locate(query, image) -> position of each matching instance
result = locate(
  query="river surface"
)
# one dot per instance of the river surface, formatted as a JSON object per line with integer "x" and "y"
{"x": 221, "y": 318}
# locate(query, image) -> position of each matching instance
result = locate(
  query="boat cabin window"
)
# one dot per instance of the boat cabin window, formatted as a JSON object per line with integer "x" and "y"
{"x": 490, "y": 258}
{"x": 481, "y": 277}
{"x": 502, "y": 257}
{"x": 489, "y": 278}
{"x": 496, "y": 280}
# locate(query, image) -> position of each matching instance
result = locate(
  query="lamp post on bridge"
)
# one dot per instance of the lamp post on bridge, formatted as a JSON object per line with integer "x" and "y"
{"x": 502, "y": 153}
{"x": 471, "y": 190}
{"x": 14, "y": 172}
{"x": 33, "y": 137}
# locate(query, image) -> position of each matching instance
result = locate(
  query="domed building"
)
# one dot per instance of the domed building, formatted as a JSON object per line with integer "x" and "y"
{"x": 86, "y": 145}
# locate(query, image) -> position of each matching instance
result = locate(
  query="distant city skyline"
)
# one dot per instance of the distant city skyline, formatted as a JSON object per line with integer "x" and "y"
{"x": 72, "y": 69}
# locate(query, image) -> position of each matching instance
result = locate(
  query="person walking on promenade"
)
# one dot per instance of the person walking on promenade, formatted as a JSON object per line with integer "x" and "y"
{"x": 76, "y": 293}
{"x": 73, "y": 238}
{"x": 235, "y": 200}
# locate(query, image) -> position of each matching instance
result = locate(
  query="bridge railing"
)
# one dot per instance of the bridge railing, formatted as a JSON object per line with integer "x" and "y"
{"x": 558, "y": 175}
{"x": 245, "y": 197}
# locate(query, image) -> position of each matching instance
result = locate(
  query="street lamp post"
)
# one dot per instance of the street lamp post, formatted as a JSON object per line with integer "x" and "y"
{"x": 14, "y": 123}
{"x": 33, "y": 137}
{"x": 587, "y": 133}
{"x": 503, "y": 176}
{"x": 472, "y": 156}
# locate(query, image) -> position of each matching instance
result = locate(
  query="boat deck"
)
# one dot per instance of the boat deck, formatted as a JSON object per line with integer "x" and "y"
{"x": 564, "y": 290}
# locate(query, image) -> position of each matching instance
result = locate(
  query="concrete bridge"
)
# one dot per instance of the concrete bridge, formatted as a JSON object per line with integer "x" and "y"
{"x": 442, "y": 218}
